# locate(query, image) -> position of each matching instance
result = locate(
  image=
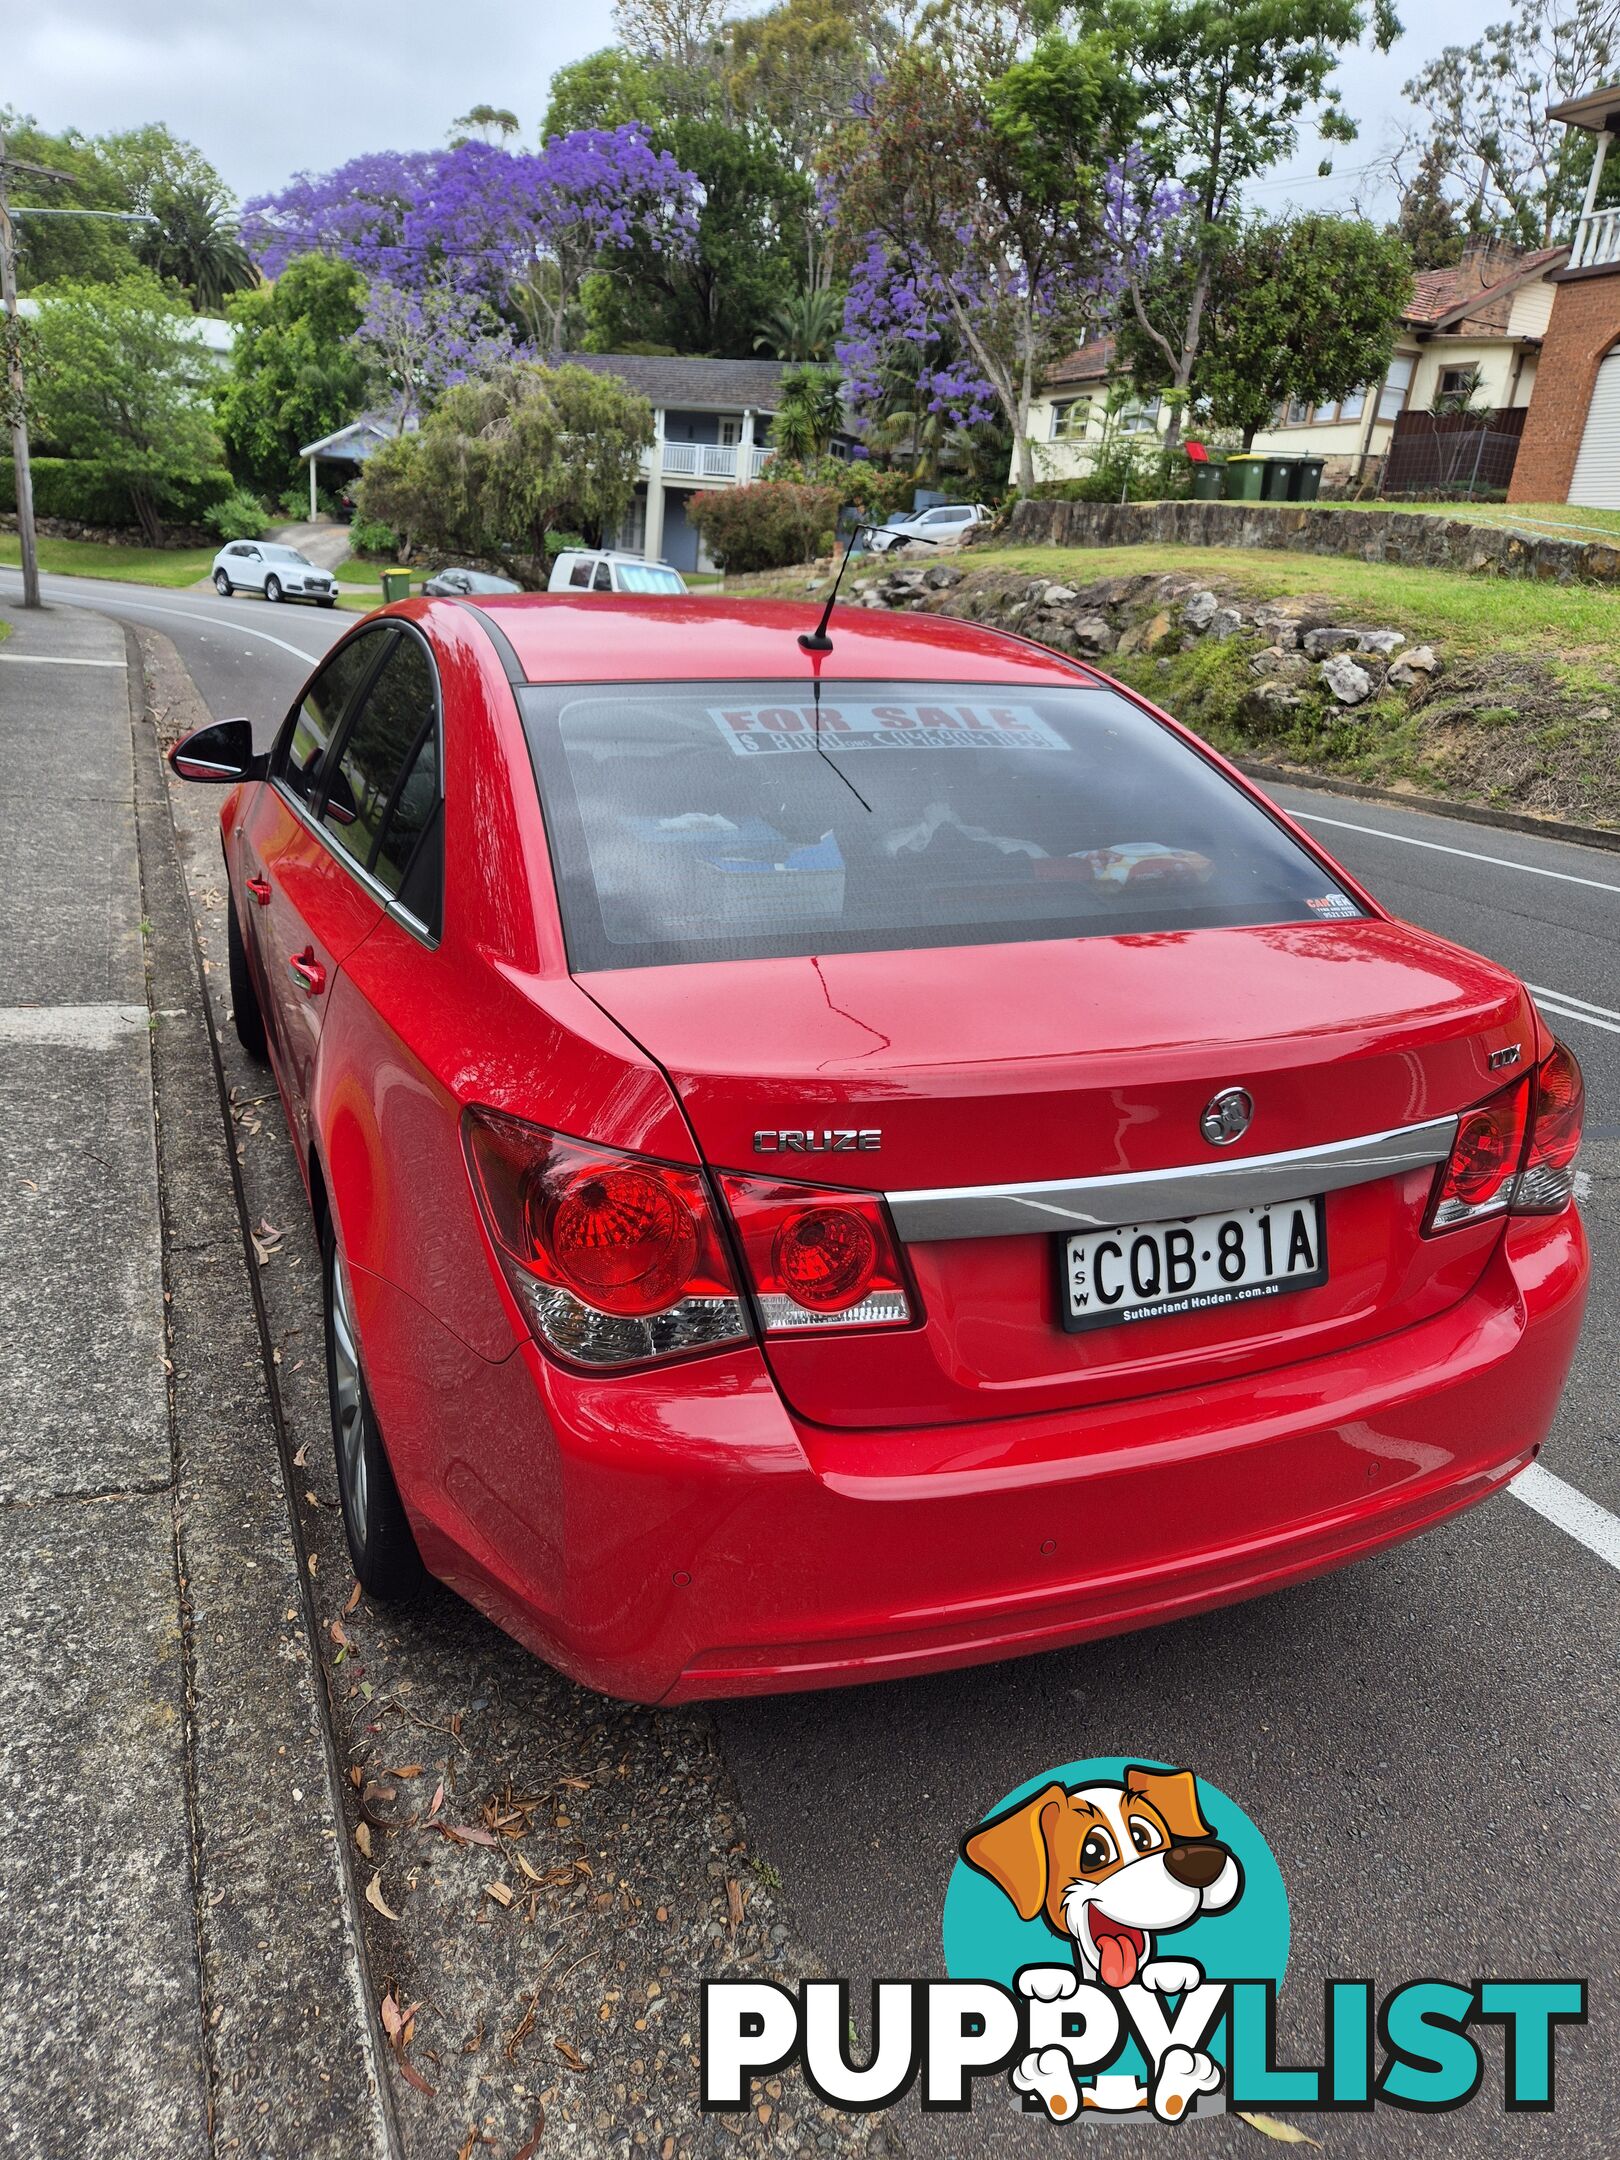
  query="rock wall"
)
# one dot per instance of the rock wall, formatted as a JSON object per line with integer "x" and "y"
{"x": 1392, "y": 536}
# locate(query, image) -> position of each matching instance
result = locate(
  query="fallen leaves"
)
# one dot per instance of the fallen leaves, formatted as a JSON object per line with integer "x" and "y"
{"x": 400, "y": 2026}
{"x": 351, "y": 1601}
{"x": 376, "y": 1900}
{"x": 570, "y": 2054}
{"x": 734, "y": 1904}
{"x": 499, "y": 1891}
{"x": 362, "y": 1838}
{"x": 527, "y": 2151}
{"x": 1285, "y": 2133}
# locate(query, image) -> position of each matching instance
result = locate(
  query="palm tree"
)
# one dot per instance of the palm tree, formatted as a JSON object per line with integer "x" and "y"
{"x": 809, "y": 413}
{"x": 803, "y": 327}
{"x": 195, "y": 243}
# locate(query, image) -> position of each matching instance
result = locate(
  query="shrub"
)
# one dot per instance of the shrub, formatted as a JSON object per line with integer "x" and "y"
{"x": 767, "y": 526}
{"x": 369, "y": 536}
{"x": 67, "y": 488}
{"x": 870, "y": 490}
{"x": 237, "y": 516}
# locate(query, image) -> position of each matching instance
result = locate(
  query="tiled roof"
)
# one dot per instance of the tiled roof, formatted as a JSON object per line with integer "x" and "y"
{"x": 1091, "y": 362}
{"x": 1476, "y": 293}
{"x": 691, "y": 385}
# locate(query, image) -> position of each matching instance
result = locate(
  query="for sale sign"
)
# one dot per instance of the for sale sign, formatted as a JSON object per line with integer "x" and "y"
{"x": 767, "y": 730}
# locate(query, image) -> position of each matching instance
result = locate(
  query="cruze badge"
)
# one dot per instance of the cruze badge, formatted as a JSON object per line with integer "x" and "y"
{"x": 843, "y": 1140}
{"x": 1227, "y": 1117}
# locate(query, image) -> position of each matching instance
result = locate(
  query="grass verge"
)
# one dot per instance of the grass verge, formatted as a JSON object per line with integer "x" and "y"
{"x": 133, "y": 565}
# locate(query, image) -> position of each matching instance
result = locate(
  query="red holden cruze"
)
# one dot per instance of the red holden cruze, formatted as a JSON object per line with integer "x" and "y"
{"x": 838, "y": 1164}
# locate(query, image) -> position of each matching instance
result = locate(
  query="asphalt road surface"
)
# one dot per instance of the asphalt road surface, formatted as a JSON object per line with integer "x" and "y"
{"x": 1428, "y": 1740}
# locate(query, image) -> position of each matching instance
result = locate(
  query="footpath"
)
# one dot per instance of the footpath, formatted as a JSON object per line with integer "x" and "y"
{"x": 180, "y": 1973}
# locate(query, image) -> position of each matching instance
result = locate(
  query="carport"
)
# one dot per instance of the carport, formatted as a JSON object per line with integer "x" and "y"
{"x": 351, "y": 446}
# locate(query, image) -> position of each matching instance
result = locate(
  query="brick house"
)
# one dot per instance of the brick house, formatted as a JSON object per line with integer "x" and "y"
{"x": 1570, "y": 449}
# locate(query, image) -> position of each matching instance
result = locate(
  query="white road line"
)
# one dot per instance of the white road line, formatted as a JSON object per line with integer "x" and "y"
{"x": 1564, "y": 997}
{"x": 214, "y": 621}
{"x": 1570, "y": 1511}
{"x": 51, "y": 659}
{"x": 1565, "y": 1012}
{"x": 1498, "y": 862}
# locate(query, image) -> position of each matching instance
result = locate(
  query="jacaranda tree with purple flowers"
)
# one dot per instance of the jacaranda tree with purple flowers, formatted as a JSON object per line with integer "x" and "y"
{"x": 522, "y": 229}
{"x": 977, "y": 238}
{"x": 419, "y": 341}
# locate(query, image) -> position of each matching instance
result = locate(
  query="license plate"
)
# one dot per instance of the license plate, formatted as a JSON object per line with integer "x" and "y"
{"x": 1146, "y": 1271}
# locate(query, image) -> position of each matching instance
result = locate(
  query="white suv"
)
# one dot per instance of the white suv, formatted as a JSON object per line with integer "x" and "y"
{"x": 946, "y": 525}
{"x": 607, "y": 570}
{"x": 280, "y": 573}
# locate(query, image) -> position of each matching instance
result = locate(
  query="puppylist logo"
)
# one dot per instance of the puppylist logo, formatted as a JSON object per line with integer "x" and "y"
{"x": 1115, "y": 1936}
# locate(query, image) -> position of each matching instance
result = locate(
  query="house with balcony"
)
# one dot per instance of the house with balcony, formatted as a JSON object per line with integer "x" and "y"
{"x": 711, "y": 419}
{"x": 1570, "y": 450}
{"x": 1472, "y": 331}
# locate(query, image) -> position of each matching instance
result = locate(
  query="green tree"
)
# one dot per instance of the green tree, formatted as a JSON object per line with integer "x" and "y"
{"x": 809, "y": 412}
{"x": 488, "y": 123}
{"x": 296, "y": 372}
{"x": 746, "y": 263}
{"x": 1221, "y": 89}
{"x": 1516, "y": 173}
{"x": 1300, "y": 307}
{"x": 606, "y": 89}
{"x": 803, "y": 327}
{"x": 53, "y": 249}
{"x": 502, "y": 461}
{"x": 122, "y": 388}
{"x": 1428, "y": 225}
{"x": 195, "y": 244}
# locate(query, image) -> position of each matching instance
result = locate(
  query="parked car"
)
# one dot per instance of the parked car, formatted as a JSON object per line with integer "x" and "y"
{"x": 605, "y": 570}
{"x": 945, "y": 525}
{"x": 781, "y": 1231}
{"x": 462, "y": 584}
{"x": 280, "y": 573}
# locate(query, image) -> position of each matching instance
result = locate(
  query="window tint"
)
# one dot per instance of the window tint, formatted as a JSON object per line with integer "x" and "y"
{"x": 415, "y": 803}
{"x": 580, "y": 574}
{"x": 697, "y": 822}
{"x": 316, "y": 720}
{"x": 603, "y": 581}
{"x": 377, "y": 748}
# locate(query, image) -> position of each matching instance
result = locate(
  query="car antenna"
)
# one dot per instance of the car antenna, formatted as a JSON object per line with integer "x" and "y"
{"x": 817, "y": 640}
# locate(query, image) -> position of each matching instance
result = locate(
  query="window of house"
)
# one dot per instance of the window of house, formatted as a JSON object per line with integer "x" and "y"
{"x": 1392, "y": 398}
{"x": 730, "y": 434}
{"x": 1297, "y": 412}
{"x": 1352, "y": 407}
{"x": 1070, "y": 419}
{"x": 1457, "y": 381}
{"x": 1139, "y": 417}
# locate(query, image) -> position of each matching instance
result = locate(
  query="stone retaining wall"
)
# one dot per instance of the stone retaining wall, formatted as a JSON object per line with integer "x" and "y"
{"x": 1438, "y": 543}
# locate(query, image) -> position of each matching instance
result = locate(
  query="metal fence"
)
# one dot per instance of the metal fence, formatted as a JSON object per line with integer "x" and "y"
{"x": 1458, "y": 454}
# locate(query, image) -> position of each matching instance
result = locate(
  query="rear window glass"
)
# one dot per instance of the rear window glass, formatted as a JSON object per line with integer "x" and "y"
{"x": 649, "y": 578}
{"x": 744, "y": 820}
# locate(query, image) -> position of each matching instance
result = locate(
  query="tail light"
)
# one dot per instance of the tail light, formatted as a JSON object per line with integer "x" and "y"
{"x": 1517, "y": 1150}
{"x": 1557, "y": 1103}
{"x": 614, "y": 1259}
{"x": 817, "y": 1258}
{"x": 1479, "y": 1175}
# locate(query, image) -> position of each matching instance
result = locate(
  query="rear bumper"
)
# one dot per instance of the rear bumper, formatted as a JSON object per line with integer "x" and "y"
{"x": 678, "y": 1536}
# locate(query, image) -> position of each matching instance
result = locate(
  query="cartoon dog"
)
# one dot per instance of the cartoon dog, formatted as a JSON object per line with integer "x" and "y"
{"x": 1110, "y": 1868}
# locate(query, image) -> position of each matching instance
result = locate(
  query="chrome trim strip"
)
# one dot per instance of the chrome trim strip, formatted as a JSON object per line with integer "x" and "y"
{"x": 358, "y": 871}
{"x": 1102, "y": 1203}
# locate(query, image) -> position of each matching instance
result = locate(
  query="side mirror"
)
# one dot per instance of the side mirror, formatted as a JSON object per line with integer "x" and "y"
{"x": 222, "y": 753}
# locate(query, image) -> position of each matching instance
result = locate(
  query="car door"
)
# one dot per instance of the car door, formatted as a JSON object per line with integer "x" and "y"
{"x": 305, "y": 910}
{"x": 249, "y": 571}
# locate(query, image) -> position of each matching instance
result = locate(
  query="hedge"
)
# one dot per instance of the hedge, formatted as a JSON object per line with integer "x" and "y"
{"x": 66, "y": 488}
{"x": 766, "y": 526}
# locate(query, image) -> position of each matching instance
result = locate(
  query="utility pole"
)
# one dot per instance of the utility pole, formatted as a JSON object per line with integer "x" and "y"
{"x": 14, "y": 394}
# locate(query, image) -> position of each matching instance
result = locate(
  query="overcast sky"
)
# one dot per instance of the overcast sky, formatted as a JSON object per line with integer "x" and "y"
{"x": 268, "y": 87}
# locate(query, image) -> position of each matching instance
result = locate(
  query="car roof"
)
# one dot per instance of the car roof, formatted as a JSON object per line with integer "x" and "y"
{"x": 557, "y": 638}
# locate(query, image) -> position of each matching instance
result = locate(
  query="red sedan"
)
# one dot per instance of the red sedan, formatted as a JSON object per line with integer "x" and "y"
{"x": 835, "y": 1164}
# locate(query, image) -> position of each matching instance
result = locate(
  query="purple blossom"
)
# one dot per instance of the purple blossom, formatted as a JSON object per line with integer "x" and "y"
{"x": 420, "y": 341}
{"x": 520, "y": 228}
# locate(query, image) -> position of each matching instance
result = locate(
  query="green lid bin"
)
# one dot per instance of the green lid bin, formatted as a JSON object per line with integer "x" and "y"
{"x": 396, "y": 585}
{"x": 1244, "y": 476}
{"x": 1209, "y": 481}
{"x": 1308, "y": 479}
{"x": 1279, "y": 484}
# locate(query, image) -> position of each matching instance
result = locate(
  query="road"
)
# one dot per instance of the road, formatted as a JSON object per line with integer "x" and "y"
{"x": 1427, "y": 1740}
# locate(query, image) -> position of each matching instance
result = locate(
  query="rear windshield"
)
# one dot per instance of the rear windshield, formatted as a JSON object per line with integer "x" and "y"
{"x": 746, "y": 821}
{"x": 649, "y": 578}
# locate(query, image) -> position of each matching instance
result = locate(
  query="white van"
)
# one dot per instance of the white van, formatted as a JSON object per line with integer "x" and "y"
{"x": 607, "y": 570}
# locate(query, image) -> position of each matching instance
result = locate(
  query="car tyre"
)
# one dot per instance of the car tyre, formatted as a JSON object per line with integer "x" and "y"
{"x": 223, "y": 585}
{"x": 247, "y": 1015}
{"x": 326, "y": 603}
{"x": 382, "y": 1548}
{"x": 272, "y": 588}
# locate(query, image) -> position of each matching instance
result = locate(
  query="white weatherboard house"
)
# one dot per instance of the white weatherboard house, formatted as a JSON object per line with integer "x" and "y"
{"x": 710, "y": 422}
{"x": 1483, "y": 318}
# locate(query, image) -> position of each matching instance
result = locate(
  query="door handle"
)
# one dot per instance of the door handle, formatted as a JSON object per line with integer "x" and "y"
{"x": 259, "y": 887}
{"x": 308, "y": 970}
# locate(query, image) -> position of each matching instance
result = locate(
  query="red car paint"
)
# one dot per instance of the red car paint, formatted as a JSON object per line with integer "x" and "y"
{"x": 799, "y": 1510}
